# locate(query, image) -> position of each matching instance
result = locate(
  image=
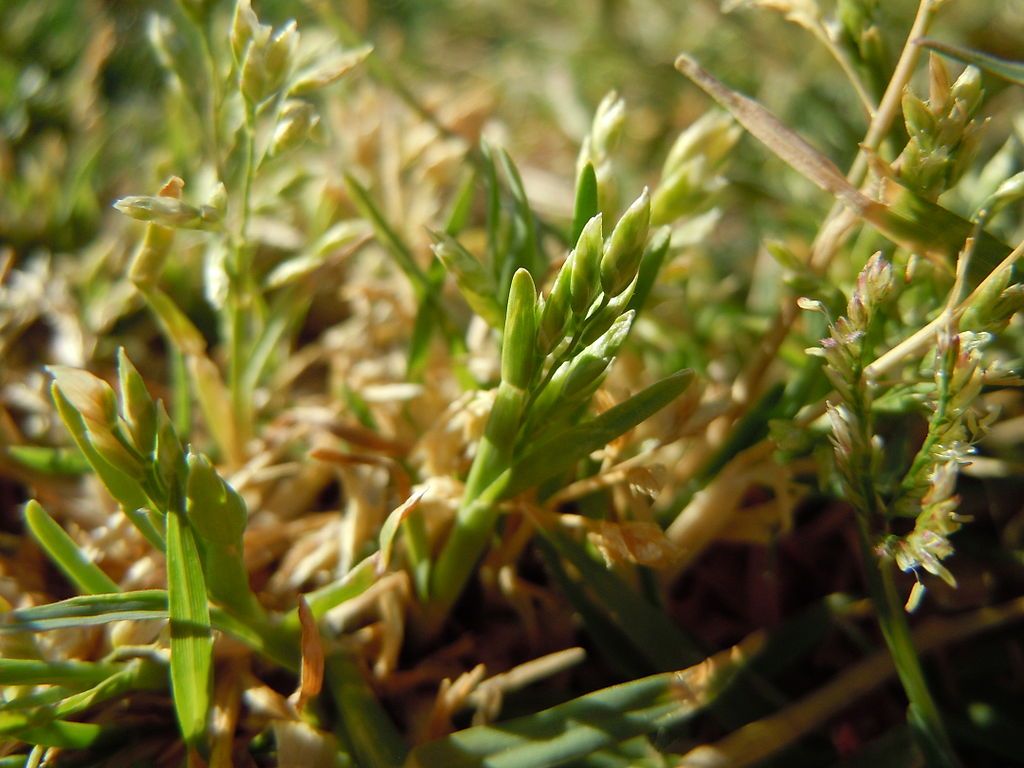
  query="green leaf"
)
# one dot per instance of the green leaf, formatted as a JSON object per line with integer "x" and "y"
{"x": 286, "y": 312}
{"x": 562, "y": 450}
{"x": 151, "y": 604}
{"x": 320, "y": 601}
{"x": 1007, "y": 69}
{"x": 62, "y": 550}
{"x": 528, "y": 255}
{"x": 66, "y": 735}
{"x": 461, "y": 205}
{"x": 608, "y": 637}
{"x": 49, "y": 461}
{"x": 495, "y": 246}
{"x": 122, "y": 679}
{"x": 88, "y": 610}
{"x": 651, "y": 633}
{"x": 191, "y": 636}
{"x": 365, "y": 725}
{"x": 386, "y": 234}
{"x": 424, "y": 324}
{"x": 69, "y": 673}
{"x": 585, "y": 206}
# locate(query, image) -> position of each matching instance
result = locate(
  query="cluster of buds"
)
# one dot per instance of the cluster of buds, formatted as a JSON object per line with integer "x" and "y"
{"x": 598, "y": 145}
{"x": 131, "y": 444}
{"x": 927, "y": 489}
{"x": 857, "y": 450}
{"x": 264, "y": 56}
{"x": 842, "y": 350}
{"x": 270, "y": 65}
{"x": 556, "y": 349}
{"x": 944, "y": 134}
{"x": 690, "y": 175}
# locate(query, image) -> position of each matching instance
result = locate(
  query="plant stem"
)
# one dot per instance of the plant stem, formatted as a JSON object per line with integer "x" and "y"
{"x": 239, "y": 298}
{"x": 923, "y": 715}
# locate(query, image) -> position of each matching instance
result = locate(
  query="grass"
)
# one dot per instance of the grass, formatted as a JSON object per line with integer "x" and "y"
{"x": 537, "y": 404}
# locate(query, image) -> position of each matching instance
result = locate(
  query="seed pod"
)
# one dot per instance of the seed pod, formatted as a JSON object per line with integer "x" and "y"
{"x": 279, "y": 54}
{"x": 585, "y": 282}
{"x": 938, "y": 84}
{"x": 89, "y": 395}
{"x": 506, "y": 414}
{"x": 967, "y": 90}
{"x": 169, "y": 211}
{"x": 519, "y": 345}
{"x": 555, "y": 314}
{"x": 245, "y": 28}
{"x": 214, "y": 508}
{"x": 682, "y": 192}
{"x": 254, "y": 82}
{"x": 297, "y": 119}
{"x": 625, "y": 247}
{"x": 96, "y": 404}
{"x": 607, "y": 127}
{"x": 137, "y": 405}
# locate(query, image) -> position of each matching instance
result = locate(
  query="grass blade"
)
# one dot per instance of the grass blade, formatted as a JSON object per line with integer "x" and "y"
{"x": 1011, "y": 71}
{"x": 651, "y": 633}
{"x": 589, "y": 723}
{"x": 527, "y": 252}
{"x": 69, "y": 673}
{"x": 613, "y": 644}
{"x": 49, "y": 461}
{"x": 125, "y": 490}
{"x": 66, "y": 735}
{"x": 88, "y": 610}
{"x": 87, "y": 577}
{"x": 387, "y": 235}
{"x": 191, "y": 636}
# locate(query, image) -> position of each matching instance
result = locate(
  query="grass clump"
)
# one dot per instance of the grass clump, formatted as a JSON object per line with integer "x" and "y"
{"x": 365, "y": 444}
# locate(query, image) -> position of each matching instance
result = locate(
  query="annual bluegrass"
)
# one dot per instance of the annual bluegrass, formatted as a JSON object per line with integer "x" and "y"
{"x": 352, "y": 419}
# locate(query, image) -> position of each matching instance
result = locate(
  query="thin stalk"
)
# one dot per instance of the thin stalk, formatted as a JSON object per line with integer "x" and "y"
{"x": 840, "y": 220}
{"x": 843, "y": 60}
{"x": 924, "y": 716}
{"x": 474, "y": 523}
